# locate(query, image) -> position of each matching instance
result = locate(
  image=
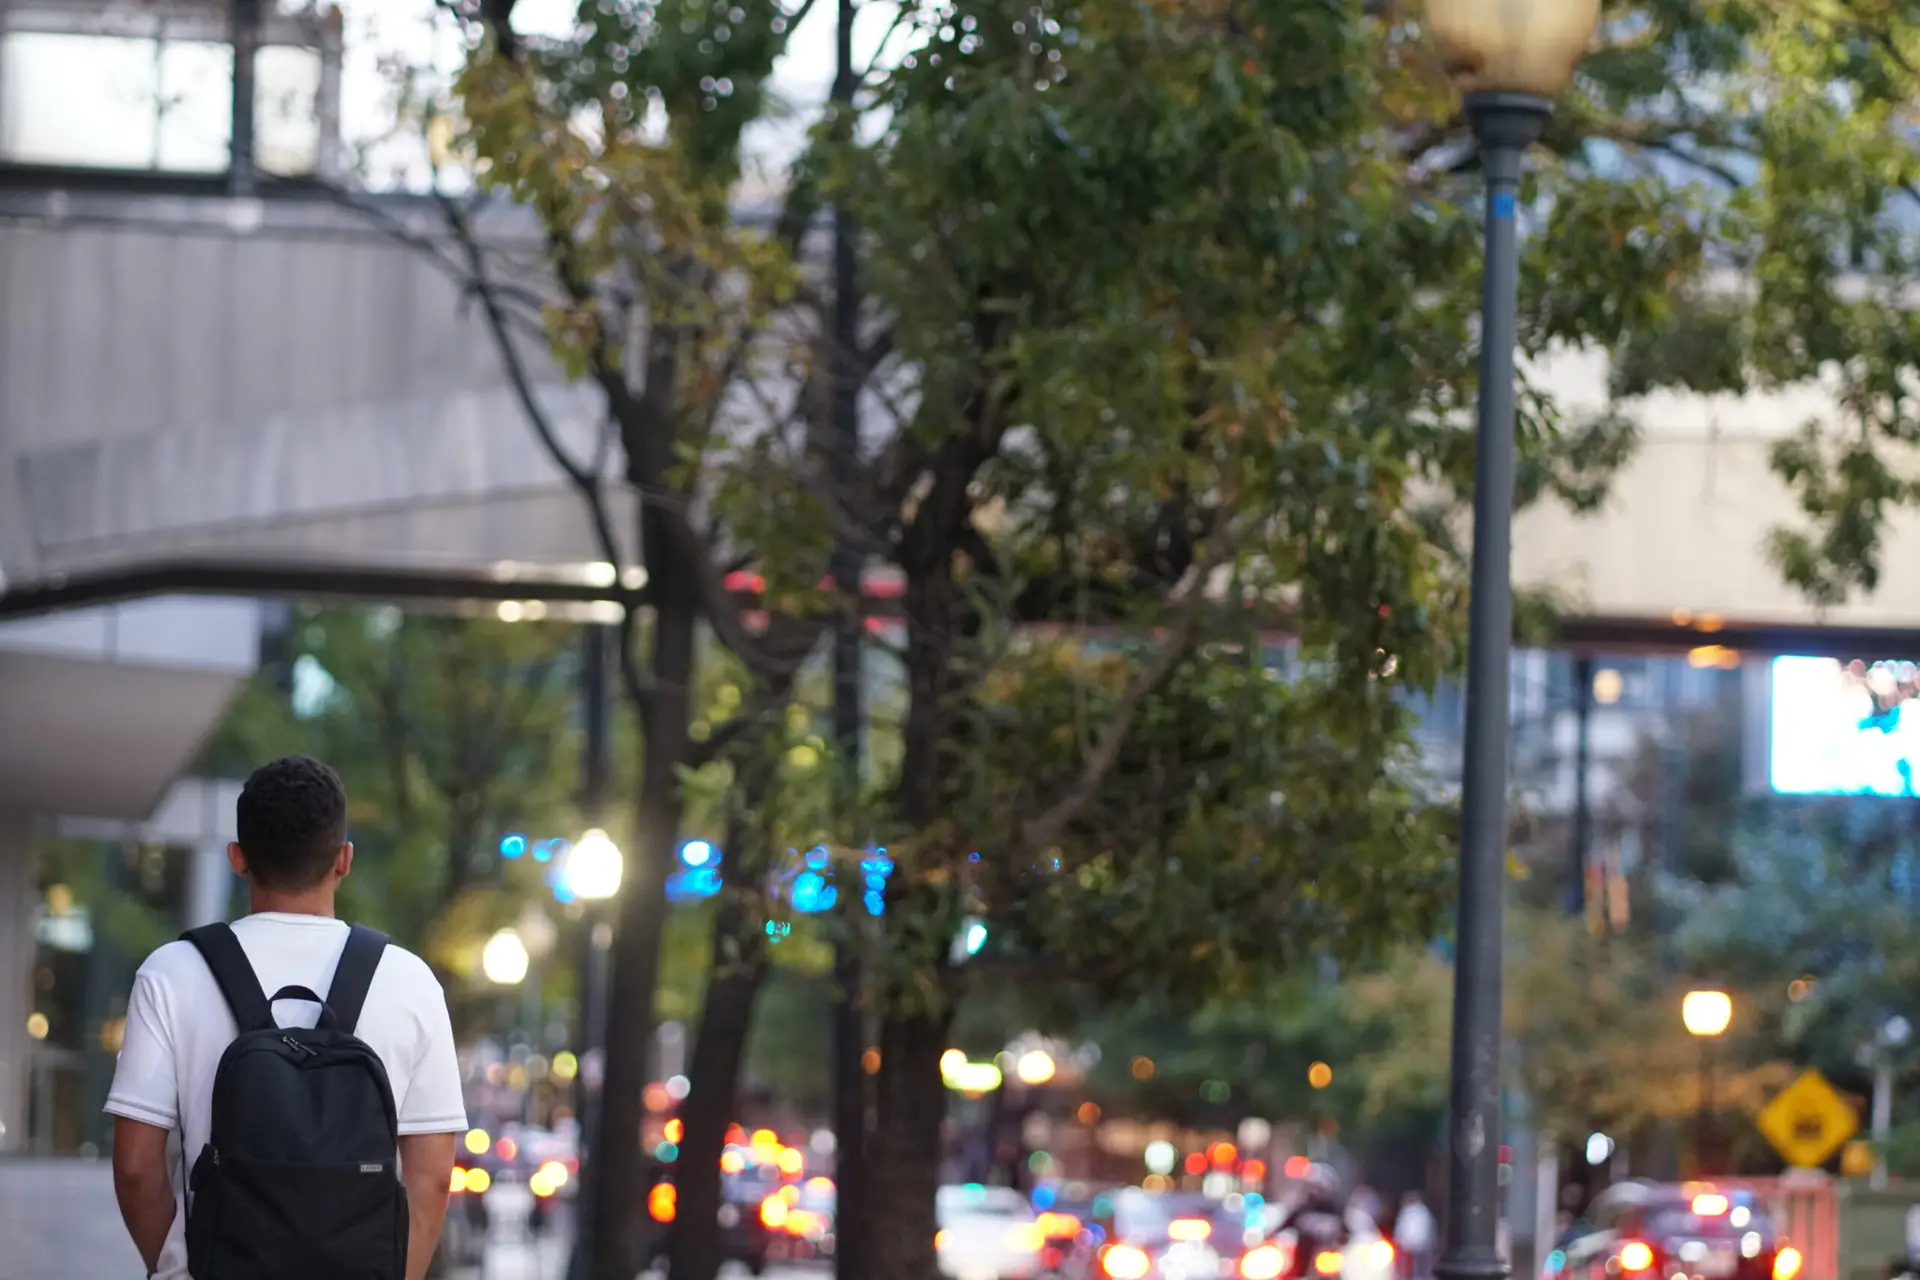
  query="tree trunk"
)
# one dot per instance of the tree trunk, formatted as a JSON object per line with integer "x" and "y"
{"x": 904, "y": 1151}
{"x": 617, "y": 1182}
{"x": 739, "y": 970}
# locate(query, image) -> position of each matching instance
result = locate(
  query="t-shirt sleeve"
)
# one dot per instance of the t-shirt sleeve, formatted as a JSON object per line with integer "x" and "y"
{"x": 145, "y": 1081}
{"x": 435, "y": 1101}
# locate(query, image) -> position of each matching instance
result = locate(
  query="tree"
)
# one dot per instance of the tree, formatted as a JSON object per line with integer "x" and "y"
{"x": 651, "y": 290}
{"x": 1817, "y": 924}
{"x": 1595, "y": 1027}
{"x": 448, "y": 732}
{"x": 1187, "y": 306}
{"x": 1794, "y": 124}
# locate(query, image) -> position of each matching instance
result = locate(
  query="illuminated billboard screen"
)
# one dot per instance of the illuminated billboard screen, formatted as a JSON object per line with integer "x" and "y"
{"x": 1843, "y": 728}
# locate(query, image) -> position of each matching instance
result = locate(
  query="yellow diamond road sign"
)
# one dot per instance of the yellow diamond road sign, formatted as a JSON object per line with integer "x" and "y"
{"x": 1808, "y": 1121}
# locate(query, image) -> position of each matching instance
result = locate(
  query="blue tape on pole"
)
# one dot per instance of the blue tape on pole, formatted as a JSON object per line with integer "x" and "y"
{"x": 1503, "y": 204}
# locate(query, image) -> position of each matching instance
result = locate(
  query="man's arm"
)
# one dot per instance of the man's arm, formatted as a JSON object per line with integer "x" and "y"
{"x": 144, "y": 1188}
{"x": 426, "y": 1166}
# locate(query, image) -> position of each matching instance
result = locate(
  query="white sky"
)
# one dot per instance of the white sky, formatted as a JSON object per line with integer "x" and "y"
{"x": 67, "y": 99}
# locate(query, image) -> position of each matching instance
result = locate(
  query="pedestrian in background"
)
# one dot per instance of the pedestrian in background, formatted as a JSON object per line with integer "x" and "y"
{"x": 1415, "y": 1236}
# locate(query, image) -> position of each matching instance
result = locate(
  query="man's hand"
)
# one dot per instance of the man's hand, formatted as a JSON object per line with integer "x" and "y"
{"x": 144, "y": 1189}
{"x": 426, "y": 1166}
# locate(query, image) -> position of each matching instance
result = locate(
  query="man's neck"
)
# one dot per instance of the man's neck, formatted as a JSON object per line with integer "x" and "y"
{"x": 311, "y": 902}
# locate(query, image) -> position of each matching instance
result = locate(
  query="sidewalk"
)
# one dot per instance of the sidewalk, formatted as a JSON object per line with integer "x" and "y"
{"x": 58, "y": 1220}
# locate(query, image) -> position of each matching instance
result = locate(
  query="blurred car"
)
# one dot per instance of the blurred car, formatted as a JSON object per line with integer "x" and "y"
{"x": 1173, "y": 1236}
{"x": 745, "y": 1236}
{"x": 1690, "y": 1231}
{"x": 987, "y": 1233}
{"x": 803, "y": 1228}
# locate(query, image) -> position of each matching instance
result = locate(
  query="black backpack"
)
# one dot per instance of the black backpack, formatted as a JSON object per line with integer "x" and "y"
{"x": 299, "y": 1179}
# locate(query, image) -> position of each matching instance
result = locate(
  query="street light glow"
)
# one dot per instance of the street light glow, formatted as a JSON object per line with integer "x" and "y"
{"x": 1035, "y": 1067}
{"x": 504, "y": 959}
{"x": 1707, "y": 1013}
{"x": 594, "y": 867}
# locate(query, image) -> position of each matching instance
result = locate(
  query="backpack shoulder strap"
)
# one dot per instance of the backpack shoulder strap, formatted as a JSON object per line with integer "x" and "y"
{"x": 238, "y": 983}
{"x": 353, "y": 976}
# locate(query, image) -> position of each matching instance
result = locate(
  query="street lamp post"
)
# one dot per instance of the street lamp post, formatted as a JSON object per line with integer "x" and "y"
{"x": 591, "y": 875}
{"x": 1511, "y": 57}
{"x": 1707, "y": 1015}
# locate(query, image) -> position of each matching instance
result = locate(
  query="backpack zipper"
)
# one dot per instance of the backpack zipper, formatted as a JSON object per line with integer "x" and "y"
{"x": 302, "y": 1049}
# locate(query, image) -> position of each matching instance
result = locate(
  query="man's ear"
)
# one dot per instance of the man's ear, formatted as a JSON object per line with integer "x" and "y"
{"x": 237, "y": 859}
{"x": 343, "y": 861}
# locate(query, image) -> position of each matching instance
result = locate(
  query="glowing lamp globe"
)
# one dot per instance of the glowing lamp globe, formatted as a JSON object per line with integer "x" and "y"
{"x": 1707, "y": 1013}
{"x": 1512, "y": 46}
{"x": 594, "y": 867}
{"x": 504, "y": 959}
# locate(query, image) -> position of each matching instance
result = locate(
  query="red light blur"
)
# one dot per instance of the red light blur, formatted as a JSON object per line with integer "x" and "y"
{"x": 1297, "y": 1167}
{"x": 1196, "y": 1164}
{"x": 1254, "y": 1170}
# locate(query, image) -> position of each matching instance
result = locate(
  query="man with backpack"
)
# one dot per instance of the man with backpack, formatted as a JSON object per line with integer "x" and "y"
{"x": 309, "y": 1069}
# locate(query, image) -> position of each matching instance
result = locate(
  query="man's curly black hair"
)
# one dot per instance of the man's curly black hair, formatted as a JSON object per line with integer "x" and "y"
{"x": 291, "y": 820}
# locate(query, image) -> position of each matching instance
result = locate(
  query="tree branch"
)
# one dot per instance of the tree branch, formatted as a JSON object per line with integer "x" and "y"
{"x": 1188, "y": 598}
{"x": 585, "y": 482}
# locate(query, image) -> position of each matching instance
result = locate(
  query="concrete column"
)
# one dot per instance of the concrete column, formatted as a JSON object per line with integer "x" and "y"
{"x": 209, "y": 892}
{"x": 16, "y": 974}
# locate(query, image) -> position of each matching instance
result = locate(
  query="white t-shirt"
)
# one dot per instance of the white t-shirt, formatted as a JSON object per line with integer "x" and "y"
{"x": 178, "y": 1025}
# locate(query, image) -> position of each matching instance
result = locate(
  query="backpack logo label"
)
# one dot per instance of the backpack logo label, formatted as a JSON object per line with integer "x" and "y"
{"x": 372, "y": 1168}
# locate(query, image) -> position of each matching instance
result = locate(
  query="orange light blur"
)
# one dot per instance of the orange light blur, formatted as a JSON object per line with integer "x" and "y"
{"x": 736, "y": 1136}
{"x": 1196, "y": 1164}
{"x": 661, "y": 1201}
{"x": 1635, "y": 1256}
{"x": 1254, "y": 1170}
{"x": 1709, "y": 1206}
{"x": 1089, "y": 1113}
{"x": 1124, "y": 1262}
{"x": 940, "y": 1238}
{"x": 1222, "y": 1154}
{"x": 1297, "y": 1167}
{"x": 656, "y": 1098}
{"x": 1268, "y": 1262}
{"x": 791, "y": 1162}
{"x": 1787, "y": 1263}
{"x": 1187, "y": 1230}
{"x": 773, "y": 1212}
{"x": 674, "y": 1131}
{"x": 732, "y": 1162}
{"x": 1327, "y": 1264}
{"x": 1059, "y": 1226}
{"x": 506, "y": 1148}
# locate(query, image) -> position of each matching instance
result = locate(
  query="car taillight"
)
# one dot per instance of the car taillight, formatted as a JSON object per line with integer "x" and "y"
{"x": 1787, "y": 1263}
{"x": 1636, "y": 1255}
{"x": 1124, "y": 1262}
{"x": 1327, "y": 1263}
{"x": 1380, "y": 1253}
{"x": 1188, "y": 1230}
{"x": 1268, "y": 1262}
